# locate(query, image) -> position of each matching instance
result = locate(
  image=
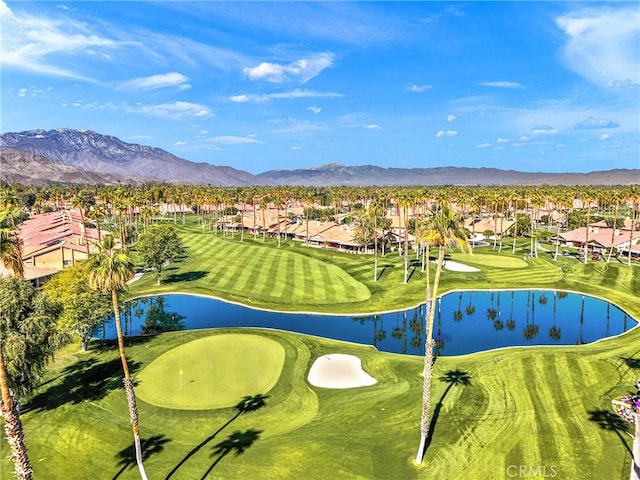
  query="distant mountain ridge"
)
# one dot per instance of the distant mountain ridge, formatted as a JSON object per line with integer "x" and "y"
{"x": 83, "y": 156}
{"x": 105, "y": 154}
{"x": 32, "y": 168}
{"x": 337, "y": 174}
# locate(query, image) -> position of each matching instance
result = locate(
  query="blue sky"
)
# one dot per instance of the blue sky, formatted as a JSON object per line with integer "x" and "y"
{"x": 531, "y": 86}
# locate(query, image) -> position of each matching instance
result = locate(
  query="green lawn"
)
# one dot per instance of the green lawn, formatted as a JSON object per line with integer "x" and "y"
{"x": 258, "y": 274}
{"x": 300, "y": 278}
{"x": 211, "y": 372}
{"x": 540, "y": 407}
{"x": 525, "y": 406}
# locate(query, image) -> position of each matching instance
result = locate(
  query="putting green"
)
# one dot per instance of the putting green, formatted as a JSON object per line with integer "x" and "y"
{"x": 212, "y": 372}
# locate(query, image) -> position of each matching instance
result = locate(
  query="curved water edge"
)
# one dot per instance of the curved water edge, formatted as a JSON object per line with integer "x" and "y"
{"x": 479, "y": 323}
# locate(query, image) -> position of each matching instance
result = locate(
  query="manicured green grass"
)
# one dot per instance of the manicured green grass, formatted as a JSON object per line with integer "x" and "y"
{"x": 300, "y": 278}
{"x": 524, "y": 406}
{"x": 489, "y": 260}
{"x": 211, "y": 372}
{"x": 258, "y": 274}
{"x": 537, "y": 407}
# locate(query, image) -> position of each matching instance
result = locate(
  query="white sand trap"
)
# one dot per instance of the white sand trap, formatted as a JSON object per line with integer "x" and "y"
{"x": 459, "y": 267}
{"x": 339, "y": 370}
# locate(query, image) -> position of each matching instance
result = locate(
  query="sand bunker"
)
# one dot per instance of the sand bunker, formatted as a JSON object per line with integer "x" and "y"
{"x": 339, "y": 370}
{"x": 459, "y": 267}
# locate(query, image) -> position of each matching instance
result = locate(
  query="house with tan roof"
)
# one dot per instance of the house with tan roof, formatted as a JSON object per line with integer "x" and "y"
{"x": 477, "y": 227}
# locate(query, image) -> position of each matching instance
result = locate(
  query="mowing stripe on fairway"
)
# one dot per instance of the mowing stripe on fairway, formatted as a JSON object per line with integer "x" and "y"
{"x": 268, "y": 274}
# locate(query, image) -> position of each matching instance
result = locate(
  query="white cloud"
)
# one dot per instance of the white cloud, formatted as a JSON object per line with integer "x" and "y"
{"x": 501, "y": 84}
{"x": 172, "y": 79}
{"x": 179, "y": 144}
{"x": 293, "y": 94}
{"x": 503, "y": 140}
{"x": 485, "y": 145}
{"x": 300, "y": 71}
{"x": 235, "y": 140}
{"x": 447, "y": 133}
{"x": 543, "y": 131}
{"x": 315, "y": 110}
{"x": 295, "y": 148}
{"x": 33, "y": 41}
{"x": 604, "y": 136}
{"x": 451, "y": 118}
{"x": 175, "y": 110}
{"x": 593, "y": 122}
{"x": 418, "y": 88}
{"x": 602, "y": 44}
{"x": 373, "y": 126}
{"x": 239, "y": 98}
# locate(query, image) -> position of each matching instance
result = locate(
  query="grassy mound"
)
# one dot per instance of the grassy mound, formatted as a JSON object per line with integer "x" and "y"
{"x": 489, "y": 260}
{"x": 212, "y": 372}
{"x": 254, "y": 273}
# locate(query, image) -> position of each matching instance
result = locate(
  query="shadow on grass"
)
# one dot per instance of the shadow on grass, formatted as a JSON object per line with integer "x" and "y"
{"x": 86, "y": 380}
{"x": 610, "y": 421}
{"x": 185, "y": 276}
{"x": 237, "y": 442}
{"x": 383, "y": 269}
{"x": 632, "y": 362}
{"x": 150, "y": 446}
{"x": 109, "y": 344}
{"x": 452, "y": 377}
{"x": 249, "y": 403}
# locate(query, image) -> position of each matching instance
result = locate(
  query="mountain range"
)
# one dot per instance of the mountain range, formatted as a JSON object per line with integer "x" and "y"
{"x": 83, "y": 156}
{"x": 89, "y": 151}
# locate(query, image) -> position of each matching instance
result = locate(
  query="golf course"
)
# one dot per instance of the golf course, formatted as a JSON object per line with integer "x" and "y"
{"x": 237, "y": 403}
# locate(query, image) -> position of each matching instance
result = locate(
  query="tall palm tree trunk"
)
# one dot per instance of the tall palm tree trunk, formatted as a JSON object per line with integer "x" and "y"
{"x": 635, "y": 463}
{"x": 613, "y": 233}
{"x": 13, "y": 427}
{"x": 128, "y": 387}
{"x": 406, "y": 245}
{"x": 375, "y": 248}
{"x": 428, "y": 358}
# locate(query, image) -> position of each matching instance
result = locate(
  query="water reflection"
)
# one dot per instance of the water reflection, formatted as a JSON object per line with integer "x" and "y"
{"x": 151, "y": 317}
{"x": 490, "y": 320}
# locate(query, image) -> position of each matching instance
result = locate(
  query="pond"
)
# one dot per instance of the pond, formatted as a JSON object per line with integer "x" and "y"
{"x": 465, "y": 322}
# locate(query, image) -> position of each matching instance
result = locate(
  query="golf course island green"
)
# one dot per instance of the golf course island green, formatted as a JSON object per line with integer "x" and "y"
{"x": 212, "y": 372}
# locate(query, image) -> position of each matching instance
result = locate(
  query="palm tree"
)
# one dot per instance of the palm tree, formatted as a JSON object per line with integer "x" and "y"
{"x": 444, "y": 231}
{"x": 587, "y": 197}
{"x": 633, "y": 197}
{"x": 403, "y": 202}
{"x": 11, "y": 257}
{"x": 110, "y": 269}
{"x": 10, "y": 249}
{"x": 615, "y": 198}
{"x": 375, "y": 212}
{"x": 79, "y": 201}
{"x": 635, "y": 464}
